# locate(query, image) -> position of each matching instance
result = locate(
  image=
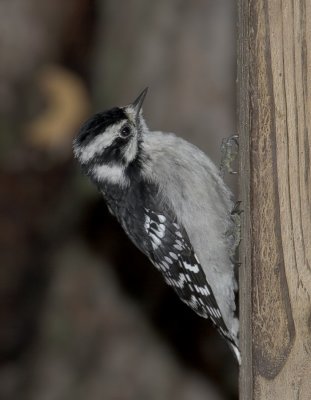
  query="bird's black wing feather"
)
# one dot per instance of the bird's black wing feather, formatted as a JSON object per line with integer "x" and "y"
{"x": 173, "y": 255}
{"x": 153, "y": 227}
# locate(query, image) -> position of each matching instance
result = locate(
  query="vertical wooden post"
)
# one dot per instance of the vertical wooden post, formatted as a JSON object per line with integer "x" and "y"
{"x": 274, "y": 82}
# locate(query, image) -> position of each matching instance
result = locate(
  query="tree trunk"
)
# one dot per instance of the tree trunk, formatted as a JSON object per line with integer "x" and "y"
{"x": 274, "y": 82}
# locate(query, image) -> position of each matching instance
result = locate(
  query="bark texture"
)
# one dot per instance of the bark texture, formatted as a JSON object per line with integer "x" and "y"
{"x": 275, "y": 119}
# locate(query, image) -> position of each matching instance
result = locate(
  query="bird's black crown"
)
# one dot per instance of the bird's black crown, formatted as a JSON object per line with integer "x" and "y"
{"x": 98, "y": 123}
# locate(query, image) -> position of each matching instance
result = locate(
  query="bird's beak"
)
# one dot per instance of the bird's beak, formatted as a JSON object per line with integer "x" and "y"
{"x": 137, "y": 104}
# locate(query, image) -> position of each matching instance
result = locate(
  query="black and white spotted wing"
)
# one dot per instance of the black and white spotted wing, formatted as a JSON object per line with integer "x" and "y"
{"x": 171, "y": 252}
{"x": 152, "y": 226}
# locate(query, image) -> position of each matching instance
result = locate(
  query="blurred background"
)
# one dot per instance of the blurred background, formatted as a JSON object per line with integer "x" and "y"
{"x": 83, "y": 315}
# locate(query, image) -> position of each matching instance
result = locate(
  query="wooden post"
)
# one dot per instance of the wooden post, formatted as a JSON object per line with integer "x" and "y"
{"x": 274, "y": 82}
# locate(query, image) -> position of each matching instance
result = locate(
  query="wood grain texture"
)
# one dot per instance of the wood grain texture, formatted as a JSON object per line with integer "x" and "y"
{"x": 274, "y": 81}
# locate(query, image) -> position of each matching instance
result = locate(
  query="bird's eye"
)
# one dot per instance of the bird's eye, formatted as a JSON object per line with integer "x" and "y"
{"x": 125, "y": 131}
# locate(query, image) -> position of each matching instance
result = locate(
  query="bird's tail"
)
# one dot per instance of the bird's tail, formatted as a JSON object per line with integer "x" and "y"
{"x": 236, "y": 352}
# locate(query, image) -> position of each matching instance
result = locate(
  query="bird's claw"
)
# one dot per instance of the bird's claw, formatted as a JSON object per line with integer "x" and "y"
{"x": 229, "y": 152}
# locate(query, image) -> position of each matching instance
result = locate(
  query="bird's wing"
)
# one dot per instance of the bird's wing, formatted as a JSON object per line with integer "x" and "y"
{"x": 152, "y": 225}
{"x": 172, "y": 254}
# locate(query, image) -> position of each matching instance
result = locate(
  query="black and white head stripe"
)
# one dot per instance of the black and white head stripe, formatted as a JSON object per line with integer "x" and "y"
{"x": 98, "y": 123}
{"x": 97, "y": 134}
{"x": 172, "y": 254}
{"x": 106, "y": 144}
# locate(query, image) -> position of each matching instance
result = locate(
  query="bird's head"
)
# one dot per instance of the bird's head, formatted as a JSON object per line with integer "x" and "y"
{"x": 109, "y": 142}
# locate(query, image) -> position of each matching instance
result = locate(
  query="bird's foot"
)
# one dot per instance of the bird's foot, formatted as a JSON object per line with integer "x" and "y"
{"x": 229, "y": 152}
{"x": 234, "y": 232}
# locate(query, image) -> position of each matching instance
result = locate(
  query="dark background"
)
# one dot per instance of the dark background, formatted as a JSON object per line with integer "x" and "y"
{"x": 83, "y": 315}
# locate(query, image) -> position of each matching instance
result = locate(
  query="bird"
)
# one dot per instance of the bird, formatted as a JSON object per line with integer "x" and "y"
{"x": 173, "y": 204}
